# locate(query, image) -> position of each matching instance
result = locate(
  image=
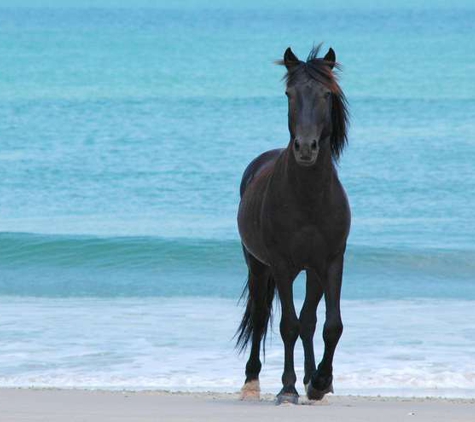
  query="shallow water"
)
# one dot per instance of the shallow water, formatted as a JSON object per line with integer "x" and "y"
{"x": 396, "y": 347}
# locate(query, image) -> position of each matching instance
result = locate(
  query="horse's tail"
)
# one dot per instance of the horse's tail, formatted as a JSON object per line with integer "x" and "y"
{"x": 259, "y": 293}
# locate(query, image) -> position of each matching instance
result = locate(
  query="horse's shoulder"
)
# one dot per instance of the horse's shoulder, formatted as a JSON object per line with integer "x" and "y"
{"x": 257, "y": 165}
{"x": 340, "y": 198}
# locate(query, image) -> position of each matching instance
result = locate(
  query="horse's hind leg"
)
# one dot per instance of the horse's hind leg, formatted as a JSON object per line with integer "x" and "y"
{"x": 260, "y": 296}
{"x": 308, "y": 321}
{"x": 321, "y": 382}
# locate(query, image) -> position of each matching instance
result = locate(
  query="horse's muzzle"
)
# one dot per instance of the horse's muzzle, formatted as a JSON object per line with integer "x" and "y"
{"x": 305, "y": 152}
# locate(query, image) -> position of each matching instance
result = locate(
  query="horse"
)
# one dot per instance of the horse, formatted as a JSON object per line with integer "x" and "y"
{"x": 294, "y": 216}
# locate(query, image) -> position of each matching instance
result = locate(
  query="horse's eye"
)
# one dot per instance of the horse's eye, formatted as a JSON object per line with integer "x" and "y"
{"x": 286, "y": 93}
{"x": 327, "y": 95}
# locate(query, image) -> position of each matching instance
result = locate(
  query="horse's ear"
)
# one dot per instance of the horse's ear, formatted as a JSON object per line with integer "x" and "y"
{"x": 330, "y": 57}
{"x": 290, "y": 59}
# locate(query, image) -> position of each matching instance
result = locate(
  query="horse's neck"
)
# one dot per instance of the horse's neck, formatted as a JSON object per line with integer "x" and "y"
{"x": 313, "y": 183}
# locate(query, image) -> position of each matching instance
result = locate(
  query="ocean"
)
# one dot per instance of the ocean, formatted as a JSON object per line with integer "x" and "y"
{"x": 124, "y": 132}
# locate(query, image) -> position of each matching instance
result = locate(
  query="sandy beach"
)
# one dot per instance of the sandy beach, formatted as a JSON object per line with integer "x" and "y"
{"x": 102, "y": 406}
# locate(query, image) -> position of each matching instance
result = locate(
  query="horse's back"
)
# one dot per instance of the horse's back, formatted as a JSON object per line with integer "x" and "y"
{"x": 257, "y": 165}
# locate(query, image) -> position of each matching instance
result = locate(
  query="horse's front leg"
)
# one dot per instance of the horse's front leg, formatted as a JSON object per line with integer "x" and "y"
{"x": 308, "y": 322}
{"x": 289, "y": 330}
{"x": 321, "y": 381}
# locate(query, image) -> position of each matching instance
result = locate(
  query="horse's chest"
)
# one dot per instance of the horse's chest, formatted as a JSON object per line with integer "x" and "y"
{"x": 304, "y": 243}
{"x": 308, "y": 247}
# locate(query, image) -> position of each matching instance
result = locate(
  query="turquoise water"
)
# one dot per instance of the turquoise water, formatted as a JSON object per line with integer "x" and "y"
{"x": 123, "y": 136}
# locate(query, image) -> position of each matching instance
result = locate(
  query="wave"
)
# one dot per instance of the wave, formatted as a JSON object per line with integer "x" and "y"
{"x": 38, "y": 264}
{"x": 128, "y": 251}
{"x": 106, "y": 252}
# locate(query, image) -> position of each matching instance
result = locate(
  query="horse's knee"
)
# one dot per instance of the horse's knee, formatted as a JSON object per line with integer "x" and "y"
{"x": 307, "y": 330}
{"x": 289, "y": 329}
{"x": 332, "y": 329}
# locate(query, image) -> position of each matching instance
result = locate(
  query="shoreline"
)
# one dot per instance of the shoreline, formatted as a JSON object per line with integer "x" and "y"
{"x": 52, "y": 404}
{"x": 265, "y": 397}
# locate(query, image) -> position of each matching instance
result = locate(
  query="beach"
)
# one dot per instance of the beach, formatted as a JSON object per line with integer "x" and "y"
{"x": 103, "y": 406}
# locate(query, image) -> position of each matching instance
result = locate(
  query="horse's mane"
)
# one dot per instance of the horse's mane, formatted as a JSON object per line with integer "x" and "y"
{"x": 321, "y": 71}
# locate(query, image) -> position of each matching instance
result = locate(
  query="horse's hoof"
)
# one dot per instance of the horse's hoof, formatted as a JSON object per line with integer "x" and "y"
{"x": 314, "y": 394}
{"x": 287, "y": 399}
{"x": 290, "y": 397}
{"x": 251, "y": 391}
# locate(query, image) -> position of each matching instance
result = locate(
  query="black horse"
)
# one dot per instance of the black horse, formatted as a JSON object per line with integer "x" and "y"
{"x": 294, "y": 215}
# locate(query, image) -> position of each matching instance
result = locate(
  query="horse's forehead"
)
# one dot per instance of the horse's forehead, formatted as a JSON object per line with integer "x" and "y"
{"x": 308, "y": 84}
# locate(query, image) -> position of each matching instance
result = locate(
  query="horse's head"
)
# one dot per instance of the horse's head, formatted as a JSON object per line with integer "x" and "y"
{"x": 317, "y": 107}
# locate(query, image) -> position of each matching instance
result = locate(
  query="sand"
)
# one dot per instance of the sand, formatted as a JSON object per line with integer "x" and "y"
{"x": 103, "y": 406}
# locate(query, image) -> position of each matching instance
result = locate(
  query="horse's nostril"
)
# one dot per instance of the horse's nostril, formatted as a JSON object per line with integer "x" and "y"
{"x": 314, "y": 144}
{"x": 297, "y": 145}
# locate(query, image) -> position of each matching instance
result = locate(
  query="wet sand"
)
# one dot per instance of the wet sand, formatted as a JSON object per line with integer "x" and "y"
{"x": 103, "y": 406}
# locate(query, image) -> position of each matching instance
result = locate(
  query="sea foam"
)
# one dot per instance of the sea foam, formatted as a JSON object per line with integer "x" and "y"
{"x": 416, "y": 347}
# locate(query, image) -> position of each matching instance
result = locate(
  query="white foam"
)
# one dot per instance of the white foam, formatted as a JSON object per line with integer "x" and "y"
{"x": 413, "y": 347}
